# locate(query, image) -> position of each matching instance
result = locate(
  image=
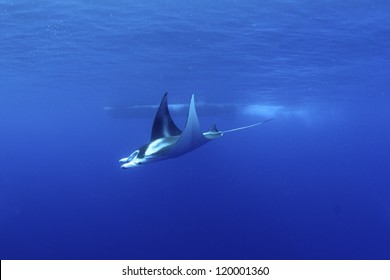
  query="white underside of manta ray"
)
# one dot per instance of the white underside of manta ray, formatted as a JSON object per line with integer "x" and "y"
{"x": 168, "y": 141}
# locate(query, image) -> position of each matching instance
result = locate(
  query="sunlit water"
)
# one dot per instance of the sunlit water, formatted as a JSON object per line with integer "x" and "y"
{"x": 311, "y": 184}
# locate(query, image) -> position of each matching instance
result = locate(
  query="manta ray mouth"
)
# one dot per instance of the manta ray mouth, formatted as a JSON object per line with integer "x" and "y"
{"x": 168, "y": 141}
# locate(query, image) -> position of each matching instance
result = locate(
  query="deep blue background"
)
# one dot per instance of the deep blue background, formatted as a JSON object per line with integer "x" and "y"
{"x": 312, "y": 184}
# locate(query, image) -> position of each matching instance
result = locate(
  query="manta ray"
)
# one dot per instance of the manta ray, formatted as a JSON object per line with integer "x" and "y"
{"x": 168, "y": 141}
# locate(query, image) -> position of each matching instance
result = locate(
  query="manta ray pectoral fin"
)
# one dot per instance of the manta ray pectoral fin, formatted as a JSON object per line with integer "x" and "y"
{"x": 163, "y": 125}
{"x": 191, "y": 137}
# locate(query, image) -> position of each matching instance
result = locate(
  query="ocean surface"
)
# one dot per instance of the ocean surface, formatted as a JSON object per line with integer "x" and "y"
{"x": 314, "y": 183}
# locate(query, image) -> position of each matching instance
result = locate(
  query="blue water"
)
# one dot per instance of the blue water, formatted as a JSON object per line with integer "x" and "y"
{"x": 312, "y": 184}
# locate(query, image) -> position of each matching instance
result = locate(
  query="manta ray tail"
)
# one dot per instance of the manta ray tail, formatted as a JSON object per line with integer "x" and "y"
{"x": 247, "y": 126}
